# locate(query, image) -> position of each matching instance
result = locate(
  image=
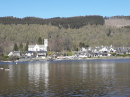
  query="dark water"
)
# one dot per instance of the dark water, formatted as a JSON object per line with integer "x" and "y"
{"x": 94, "y": 78}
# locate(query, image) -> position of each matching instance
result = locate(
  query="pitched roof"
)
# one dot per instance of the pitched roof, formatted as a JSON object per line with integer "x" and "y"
{"x": 32, "y": 46}
{"x": 16, "y": 52}
{"x": 41, "y": 46}
{"x": 122, "y": 49}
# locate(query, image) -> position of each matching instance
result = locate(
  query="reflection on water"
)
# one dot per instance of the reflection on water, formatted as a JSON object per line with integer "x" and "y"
{"x": 83, "y": 68}
{"x": 107, "y": 70}
{"x": 66, "y": 78}
{"x": 38, "y": 72}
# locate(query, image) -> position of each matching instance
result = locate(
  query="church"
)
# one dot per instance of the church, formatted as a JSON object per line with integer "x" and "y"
{"x": 39, "y": 47}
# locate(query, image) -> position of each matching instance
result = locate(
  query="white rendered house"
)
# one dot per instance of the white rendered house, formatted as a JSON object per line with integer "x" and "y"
{"x": 39, "y": 47}
{"x": 103, "y": 49}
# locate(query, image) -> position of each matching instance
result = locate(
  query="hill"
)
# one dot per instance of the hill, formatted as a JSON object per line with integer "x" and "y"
{"x": 62, "y": 38}
{"x": 117, "y": 22}
{"x": 71, "y": 22}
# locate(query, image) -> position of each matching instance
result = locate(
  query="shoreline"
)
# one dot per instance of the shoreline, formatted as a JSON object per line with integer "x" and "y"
{"x": 33, "y": 60}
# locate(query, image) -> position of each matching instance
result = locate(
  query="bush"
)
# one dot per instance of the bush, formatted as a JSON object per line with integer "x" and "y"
{"x": 49, "y": 53}
{"x": 65, "y": 54}
{"x": 3, "y": 58}
{"x": 69, "y": 53}
{"x": 113, "y": 54}
{"x": 13, "y": 58}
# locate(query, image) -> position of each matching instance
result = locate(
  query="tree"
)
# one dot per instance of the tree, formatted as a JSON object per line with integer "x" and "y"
{"x": 15, "y": 47}
{"x": 26, "y": 47}
{"x": 1, "y": 51}
{"x": 87, "y": 45}
{"x": 39, "y": 40}
{"x": 80, "y": 44}
{"x": 109, "y": 33}
{"x": 21, "y": 47}
{"x": 67, "y": 43}
{"x": 77, "y": 49}
{"x": 83, "y": 45}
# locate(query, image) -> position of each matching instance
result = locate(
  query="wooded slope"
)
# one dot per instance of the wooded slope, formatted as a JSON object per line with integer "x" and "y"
{"x": 71, "y": 22}
{"x": 62, "y": 37}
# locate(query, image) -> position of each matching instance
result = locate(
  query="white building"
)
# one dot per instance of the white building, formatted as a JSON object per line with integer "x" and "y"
{"x": 83, "y": 49}
{"x": 107, "y": 49}
{"x": 15, "y": 53}
{"x": 103, "y": 49}
{"x": 39, "y": 47}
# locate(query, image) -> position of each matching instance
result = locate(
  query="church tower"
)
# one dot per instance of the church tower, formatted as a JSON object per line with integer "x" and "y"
{"x": 45, "y": 43}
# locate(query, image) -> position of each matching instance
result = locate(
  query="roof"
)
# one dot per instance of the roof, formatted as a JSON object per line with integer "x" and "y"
{"x": 41, "y": 46}
{"x": 122, "y": 49}
{"x": 28, "y": 51}
{"x": 14, "y": 52}
{"x": 41, "y": 51}
{"x": 32, "y": 46}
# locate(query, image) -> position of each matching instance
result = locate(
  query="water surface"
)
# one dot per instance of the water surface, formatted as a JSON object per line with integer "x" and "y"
{"x": 107, "y": 77}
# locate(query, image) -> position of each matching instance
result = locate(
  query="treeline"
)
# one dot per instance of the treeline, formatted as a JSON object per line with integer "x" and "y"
{"x": 71, "y": 22}
{"x": 117, "y": 17}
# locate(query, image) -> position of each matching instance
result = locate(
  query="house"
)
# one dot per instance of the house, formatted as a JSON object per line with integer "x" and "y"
{"x": 83, "y": 49}
{"x": 41, "y": 54}
{"x": 29, "y": 53}
{"x": 81, "y": 54}
{"x": 122, "y": 50}
{"x": 15, "y": 53}
{"x": 39, "y": 47}
{"x": 111, "y": 50}
{"x": 103, "y": 51}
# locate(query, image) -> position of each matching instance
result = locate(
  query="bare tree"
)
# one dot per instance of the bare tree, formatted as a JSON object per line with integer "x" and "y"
{"x": 1, "y": 51}
{"x": 67, "y": 44}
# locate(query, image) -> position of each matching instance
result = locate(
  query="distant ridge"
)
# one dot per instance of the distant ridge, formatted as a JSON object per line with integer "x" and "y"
{"x": 70, "y": 22}
{"x": 117, "y": 22}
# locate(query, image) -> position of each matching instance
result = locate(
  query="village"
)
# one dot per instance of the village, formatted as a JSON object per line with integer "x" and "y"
{"x": 39, "y": 52}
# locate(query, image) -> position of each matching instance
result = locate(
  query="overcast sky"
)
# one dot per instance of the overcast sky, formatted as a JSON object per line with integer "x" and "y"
{"x": 63, "y": 8}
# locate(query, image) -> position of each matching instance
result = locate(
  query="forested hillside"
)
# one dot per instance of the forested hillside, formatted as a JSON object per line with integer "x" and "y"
{"x": 71, "y": 22}
{"x": 62, "y": 38}
{"x": 91, "y": 35}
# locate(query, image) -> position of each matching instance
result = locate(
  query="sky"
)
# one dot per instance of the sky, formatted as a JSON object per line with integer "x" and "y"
{"x": 63, "y": 8}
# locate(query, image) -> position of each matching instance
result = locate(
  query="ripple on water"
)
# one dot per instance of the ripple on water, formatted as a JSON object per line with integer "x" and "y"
{"x": 62, "y": 79}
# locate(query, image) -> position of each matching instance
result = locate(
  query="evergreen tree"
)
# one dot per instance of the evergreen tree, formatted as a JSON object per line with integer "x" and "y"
{"x": 83, "y": 45}
{"x": 80, "y": 44}
{"x": 26, "y": 47}
{"x": 21, "y": 47}
{"x": 15, "y": 47}
{"x": 77, "y": 49}
{"x": 39, "y": 40}
{"x": 87, "y": 45}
